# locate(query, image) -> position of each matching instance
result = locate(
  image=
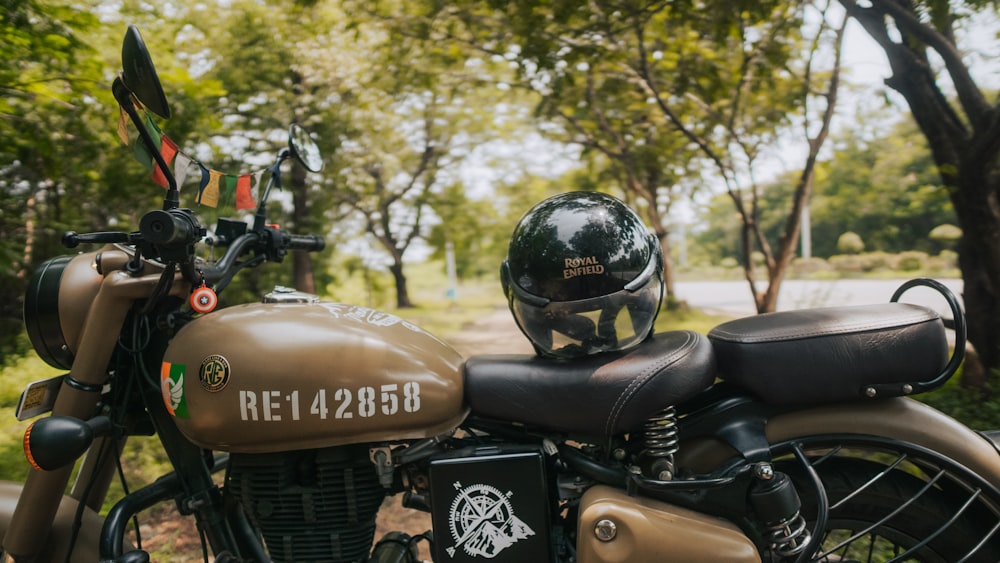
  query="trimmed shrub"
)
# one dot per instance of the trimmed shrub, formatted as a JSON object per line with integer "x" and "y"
{"x": 850, "y": 243}
{"x": 878, "y": 261}
{"x": 847, "y": 263}
{"x": 809, "y": 265}
{"x": 912, "y": 260}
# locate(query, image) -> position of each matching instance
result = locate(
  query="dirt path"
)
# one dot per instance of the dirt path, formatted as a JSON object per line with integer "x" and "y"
{"x": 164, "y": 531}
{"x": 496, "y": 333}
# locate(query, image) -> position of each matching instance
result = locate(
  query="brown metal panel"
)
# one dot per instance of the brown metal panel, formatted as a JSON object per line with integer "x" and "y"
{"x": 901, "y": 419}
{"x": 647, "y": 530}
{"x": 276, "y": 377}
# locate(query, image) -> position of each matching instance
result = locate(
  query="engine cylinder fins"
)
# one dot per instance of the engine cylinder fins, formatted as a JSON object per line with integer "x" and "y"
{"x": 311, "y": 505}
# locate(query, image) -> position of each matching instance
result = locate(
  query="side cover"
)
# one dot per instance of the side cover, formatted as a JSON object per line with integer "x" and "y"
{"x": 617, "y": 527}
{"x": 277, "y": 377}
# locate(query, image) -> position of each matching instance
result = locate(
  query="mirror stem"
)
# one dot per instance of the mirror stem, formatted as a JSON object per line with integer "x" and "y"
{"x": 124, "y": 97}
{"x": 273, "y": 181}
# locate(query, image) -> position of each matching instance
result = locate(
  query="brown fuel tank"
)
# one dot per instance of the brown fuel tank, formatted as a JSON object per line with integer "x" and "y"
{"x": 272, "y": 377}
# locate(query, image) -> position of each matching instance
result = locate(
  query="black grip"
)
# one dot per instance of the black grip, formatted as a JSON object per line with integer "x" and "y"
{"x": 308, "y": 243}
{"x": 168, "y": 228}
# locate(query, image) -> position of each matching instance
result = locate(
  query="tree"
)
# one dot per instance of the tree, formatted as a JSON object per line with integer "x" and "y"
{"x": 472, "y": 228}
{"x": 418, "y": 114}
{"x": 879, "y": 182}
{"x": 963, "y": 132}
{"x": 273, "y": 62}
{"x": 51, "y": 148}
{"x": 649, "y": 84}
{"x": 884, "y": 186}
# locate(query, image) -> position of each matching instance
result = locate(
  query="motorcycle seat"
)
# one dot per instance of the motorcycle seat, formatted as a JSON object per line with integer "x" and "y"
{"x": 599, "y": 395}
{"x": 832, "y": 354}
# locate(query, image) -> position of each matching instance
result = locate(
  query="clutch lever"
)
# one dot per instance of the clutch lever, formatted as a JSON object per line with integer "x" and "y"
{"x": 72, "y": 239}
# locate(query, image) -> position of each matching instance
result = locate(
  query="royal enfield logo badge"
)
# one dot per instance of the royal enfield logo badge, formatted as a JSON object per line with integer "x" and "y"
{"x": 214, "y": 373}
{"x": 483, "y": 523}
{"x": 585, "y": 266}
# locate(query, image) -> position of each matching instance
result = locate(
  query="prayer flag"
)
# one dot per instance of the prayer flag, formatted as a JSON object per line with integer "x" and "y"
{"x": 208, "y": 195}
{"x": 123, "y": 126}
{"x": 244, "y": 199}
{"x": 181, "y": 168}
{"x": 168, "y": 149}
{"x": 227, "y": 190}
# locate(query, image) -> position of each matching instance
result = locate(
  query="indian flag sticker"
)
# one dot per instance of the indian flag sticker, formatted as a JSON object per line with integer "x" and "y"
{"x": 172, "y": 387}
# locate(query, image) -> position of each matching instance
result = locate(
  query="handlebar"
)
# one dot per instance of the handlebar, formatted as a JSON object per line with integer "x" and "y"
{"x": 271, "y": 244}
{"x": 215, "y": 273}
{"x": 170, "y": 235}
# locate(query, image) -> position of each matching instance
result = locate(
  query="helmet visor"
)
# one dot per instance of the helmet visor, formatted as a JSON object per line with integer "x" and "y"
{"x": 569, "y": 329}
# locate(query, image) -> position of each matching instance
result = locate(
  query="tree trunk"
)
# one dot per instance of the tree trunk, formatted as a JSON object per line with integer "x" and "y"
{"x": 302, "y": 272}
{"x": 402, "y": 293}
{"x": 669, "y": 276}
{"x": 979, "y": 260}
{"x": 965, "y": 150}
{"x": 302, "y": 266}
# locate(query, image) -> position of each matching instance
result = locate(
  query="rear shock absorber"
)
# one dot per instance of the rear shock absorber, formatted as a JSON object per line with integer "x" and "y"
{"x": 660, "y": 441}
{"x": 777, "y": 504}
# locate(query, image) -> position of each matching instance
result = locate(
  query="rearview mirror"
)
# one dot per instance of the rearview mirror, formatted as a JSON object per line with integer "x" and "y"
{"x": 139, "y": 75}
{"x": 304, "y": 148}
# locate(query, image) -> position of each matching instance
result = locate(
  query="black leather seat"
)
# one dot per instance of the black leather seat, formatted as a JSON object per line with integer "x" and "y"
{"x": 599, "y": 395}
{"x": 832, "y": 354}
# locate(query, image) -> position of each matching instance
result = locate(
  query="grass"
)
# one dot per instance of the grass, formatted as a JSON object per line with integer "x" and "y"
{"x": 14, "y": 377}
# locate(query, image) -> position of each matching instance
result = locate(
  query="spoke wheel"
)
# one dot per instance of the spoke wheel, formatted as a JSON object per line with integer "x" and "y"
{"x": 889, "y": 502}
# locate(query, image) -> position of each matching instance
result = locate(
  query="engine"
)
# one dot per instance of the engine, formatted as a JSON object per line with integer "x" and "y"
{"x": 310, "y": 505}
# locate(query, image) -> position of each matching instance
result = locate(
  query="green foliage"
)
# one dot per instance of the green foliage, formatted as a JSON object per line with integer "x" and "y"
{"x": 974, "y": 407}
{"x": 46, "y": 141}
{"x": 15, "y": 373}
{"x": 470, "y": 227}
{"x": 883, "y": 187}
{"x": 656, "y": 95}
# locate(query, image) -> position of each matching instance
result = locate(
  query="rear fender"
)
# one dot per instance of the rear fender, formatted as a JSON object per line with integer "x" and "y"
{"x": 86, "y": 548}
{"x": 901, "y": 419}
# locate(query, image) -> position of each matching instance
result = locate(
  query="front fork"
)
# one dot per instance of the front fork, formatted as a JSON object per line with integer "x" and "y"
{"x": 79, "y": 395}
{"x": 191, "y": 486}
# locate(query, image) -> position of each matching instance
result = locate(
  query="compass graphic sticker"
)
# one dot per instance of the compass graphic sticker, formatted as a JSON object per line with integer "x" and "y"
{"x": 483, "y": 523}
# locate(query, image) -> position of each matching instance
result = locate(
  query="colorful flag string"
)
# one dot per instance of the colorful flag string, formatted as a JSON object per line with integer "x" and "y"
{"x": 214, "y": 187}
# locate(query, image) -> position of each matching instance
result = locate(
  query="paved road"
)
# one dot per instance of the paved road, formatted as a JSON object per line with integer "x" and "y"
{"x": 733, "y": 297}
{"x": 496, "y": 333}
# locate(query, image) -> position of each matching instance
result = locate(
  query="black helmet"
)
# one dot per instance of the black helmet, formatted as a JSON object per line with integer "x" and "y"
{"x": 583, "y": 275}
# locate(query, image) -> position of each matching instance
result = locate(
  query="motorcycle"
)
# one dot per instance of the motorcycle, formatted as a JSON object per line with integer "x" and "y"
{"x": 790, "y": 436}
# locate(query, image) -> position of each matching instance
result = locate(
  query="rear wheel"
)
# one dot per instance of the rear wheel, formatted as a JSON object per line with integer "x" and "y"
{"x": 892, "y": 502}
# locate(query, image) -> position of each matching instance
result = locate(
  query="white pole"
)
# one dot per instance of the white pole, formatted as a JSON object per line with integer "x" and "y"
{"x": 807, "y": 243}
{"x": 449, "y": 253}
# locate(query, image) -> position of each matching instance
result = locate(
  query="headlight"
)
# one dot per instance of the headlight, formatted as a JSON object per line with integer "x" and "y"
{"x": 56, "y": 304}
